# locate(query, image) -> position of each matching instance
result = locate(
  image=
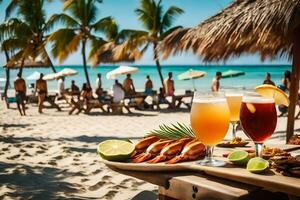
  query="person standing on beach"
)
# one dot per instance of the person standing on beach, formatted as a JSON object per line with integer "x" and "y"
{"x": 268, "y": 79}
{"x": 215, "y": 84}
{"x": 169, "y": 85}
{"x": 128, "y": 85}
{"x": 98, "y": 85}
{"x": 61, "y": 87}
{"x": 148, "y": 86}
{"x": 286, "y": 81}
{"x": 42, "y": 91}
{"x": 20, "y": 88}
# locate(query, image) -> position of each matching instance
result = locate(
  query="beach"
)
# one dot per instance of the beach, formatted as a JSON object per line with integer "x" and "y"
{"x": 53, "y": 155}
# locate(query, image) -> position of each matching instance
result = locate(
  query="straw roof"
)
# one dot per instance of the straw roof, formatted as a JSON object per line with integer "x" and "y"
{"x": 246, "y": 26}
{"x": 29, "y": 63}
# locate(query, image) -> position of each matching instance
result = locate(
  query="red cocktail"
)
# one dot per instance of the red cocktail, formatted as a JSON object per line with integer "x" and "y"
{"x": 258, "y": 119}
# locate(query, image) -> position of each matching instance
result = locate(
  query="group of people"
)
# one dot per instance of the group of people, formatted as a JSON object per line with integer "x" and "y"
{"x": 119, "y": 91}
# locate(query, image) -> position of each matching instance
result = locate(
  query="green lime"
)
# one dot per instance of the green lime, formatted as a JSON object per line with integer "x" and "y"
{"x": 115, "y": 150}
{"x": 257, "y": 165}
{"x": 239, "y": 157}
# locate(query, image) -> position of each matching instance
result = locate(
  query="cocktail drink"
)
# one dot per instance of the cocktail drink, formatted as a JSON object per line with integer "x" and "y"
{"x": 210, "y": 121}
{"x": 234, "y": 102}
{"x": 258, "y": 119}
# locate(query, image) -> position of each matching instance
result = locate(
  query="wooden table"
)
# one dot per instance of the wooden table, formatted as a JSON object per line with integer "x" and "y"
{"x": 220, "y": 183}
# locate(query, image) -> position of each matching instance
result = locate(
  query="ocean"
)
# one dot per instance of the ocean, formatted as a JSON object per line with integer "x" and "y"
{"x": 254, "y": 75}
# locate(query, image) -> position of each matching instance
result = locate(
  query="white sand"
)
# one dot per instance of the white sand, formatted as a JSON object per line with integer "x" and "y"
{"x": 54, "y": 155}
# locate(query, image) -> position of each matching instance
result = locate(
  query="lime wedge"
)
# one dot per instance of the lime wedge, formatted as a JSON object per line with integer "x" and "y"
{"x": 257, "y": 165}
{"x": 239, "y": 157}
{"x": 271, "y": 91}
{"x": 115, "y": 150}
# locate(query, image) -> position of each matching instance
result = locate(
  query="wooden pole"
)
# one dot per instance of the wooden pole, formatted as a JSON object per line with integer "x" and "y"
{"x": 294, "y": 85}
{"x": 7, "y": 74}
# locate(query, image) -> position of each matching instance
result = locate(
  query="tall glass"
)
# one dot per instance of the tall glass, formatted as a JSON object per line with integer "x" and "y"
{"x": 258, "y": 119}
{"x": 210, "y": 122}
{"x": 234, "y": 100}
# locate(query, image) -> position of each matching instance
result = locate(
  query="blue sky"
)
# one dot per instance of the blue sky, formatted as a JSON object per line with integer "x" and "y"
{"x": 123, "y": 11}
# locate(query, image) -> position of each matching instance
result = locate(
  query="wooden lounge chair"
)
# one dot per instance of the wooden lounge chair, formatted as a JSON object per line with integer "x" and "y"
{"x": 75, "y": 104}
{"x": 94, "y": 103}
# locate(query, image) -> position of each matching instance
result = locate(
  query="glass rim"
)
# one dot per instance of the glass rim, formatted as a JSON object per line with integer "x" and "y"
{"x": 257, "y": 99}
{"x": 208, "y": 96}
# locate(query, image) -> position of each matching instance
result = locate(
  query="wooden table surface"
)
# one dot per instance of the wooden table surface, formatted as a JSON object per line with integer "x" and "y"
{"x": 228, "y": 182}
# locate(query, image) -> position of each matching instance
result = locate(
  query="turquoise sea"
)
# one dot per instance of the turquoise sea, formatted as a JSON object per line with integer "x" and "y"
{"x": 254, "y": 75}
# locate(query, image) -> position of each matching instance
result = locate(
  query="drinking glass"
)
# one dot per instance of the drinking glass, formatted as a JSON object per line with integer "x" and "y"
{"x": 258, "y": 119}
{"x": 234, "y": 100}
{"x": 210, "y": 122}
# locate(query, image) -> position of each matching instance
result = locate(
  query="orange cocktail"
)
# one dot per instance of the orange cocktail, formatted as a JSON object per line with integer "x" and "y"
{"x": 210, "y": 119}
{"x": 234, "y": 102}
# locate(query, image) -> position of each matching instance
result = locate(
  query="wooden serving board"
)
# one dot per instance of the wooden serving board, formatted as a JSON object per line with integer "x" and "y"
{"x": 269, "y": 179}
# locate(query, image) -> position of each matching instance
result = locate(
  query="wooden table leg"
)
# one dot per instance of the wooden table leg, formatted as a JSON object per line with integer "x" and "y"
{"x": 162, "y": 194}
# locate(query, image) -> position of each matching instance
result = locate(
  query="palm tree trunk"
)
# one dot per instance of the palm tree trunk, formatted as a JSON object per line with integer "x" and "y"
{"x": 156, "y": 58}
{"x": 21, "y": 67}
{"x": 84, "y": 61}
{"x": 7, "y": 74}
{"x": 294, "y": 86}
{"x": 50, "y": 62}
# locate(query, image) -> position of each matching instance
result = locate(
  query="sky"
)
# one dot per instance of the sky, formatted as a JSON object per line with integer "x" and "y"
{"x": 123, "y": 11}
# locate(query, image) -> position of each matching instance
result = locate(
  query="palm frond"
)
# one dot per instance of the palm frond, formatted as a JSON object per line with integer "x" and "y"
{"x": 65, "y": 41}
{"x": 169, "y": 31}
{"x": 108, "y": 26}
{"x": 10, "y": 8}
{"x": 64, "y": 19}
{"x": 173, "y": 131}
{"x": 169, "y": 17}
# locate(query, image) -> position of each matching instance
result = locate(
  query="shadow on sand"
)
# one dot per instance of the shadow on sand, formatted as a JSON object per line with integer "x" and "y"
{"x": 35, "y": 182}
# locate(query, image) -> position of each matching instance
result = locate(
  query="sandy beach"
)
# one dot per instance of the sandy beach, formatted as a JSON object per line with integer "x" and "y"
{"x": 53, "y": 155}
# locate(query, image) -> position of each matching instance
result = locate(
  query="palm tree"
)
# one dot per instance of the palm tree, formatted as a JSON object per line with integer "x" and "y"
{"x": 157, "y": 23}
{"x": 80, "y": 25}
{"x": 26, "y": 35}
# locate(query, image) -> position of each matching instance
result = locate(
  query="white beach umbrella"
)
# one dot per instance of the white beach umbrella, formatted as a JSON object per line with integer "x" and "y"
{"x": 2, "y": 79}
{"x": 50, "y": 77}
{"x": 122, "y": 70}
{"x": 67, "y": 72}
{"x": 34, "y": 76}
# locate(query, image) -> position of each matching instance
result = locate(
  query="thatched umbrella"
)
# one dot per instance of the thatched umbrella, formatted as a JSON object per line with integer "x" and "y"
{"x": 270, "y": 28}
{"x": 28, "y": 63}
{"x": 113, "y": 53}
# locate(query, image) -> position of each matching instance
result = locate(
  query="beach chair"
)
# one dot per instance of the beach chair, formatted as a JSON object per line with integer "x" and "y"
{"x": 94, "y": 103}
{"x": 75, "y": 104}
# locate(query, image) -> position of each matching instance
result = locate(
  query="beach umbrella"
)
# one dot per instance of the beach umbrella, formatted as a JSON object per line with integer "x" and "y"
{"x": 2, "y": 79}
{"x": 34, "y": 76}
{"x": 50, "y": 77}
{"x": 122, "y": 70}
{"x": 232, "y": 73}
{"x": 191, "y": 75}
{"x": 66, "y": 72}
{"x": 270, "y": 28}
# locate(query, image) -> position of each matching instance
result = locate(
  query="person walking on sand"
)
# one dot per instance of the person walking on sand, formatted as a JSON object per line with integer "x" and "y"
{"x": 215, "y": 84}
{"x": 169, "y": 85}
{"x": 268, "y": 79}
{"x": 98, "y": 85}
{"x": 148, "y": 86}
{"x": 20, "y": 89}
{"x": 42, "y": 90}
{"x": 128, "y": 85}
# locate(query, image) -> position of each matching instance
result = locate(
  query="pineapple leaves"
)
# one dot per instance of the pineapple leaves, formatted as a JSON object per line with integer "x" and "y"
{"x": 173, "y": 131}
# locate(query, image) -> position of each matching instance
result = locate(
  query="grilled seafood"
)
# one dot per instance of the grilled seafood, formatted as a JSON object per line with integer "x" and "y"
{"x": 142, "y": 145}
{"x": 170, "y": 150}
{"x": 191, "y": 151}
{"x": 151, "y": 151}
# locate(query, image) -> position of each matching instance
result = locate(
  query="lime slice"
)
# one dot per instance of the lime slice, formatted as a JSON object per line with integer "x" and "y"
{"x": 257, "y": 165}
{"x": 115, "y": 150}
{"x": 271, "y": 91}
{"x": 239, "y": 157}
